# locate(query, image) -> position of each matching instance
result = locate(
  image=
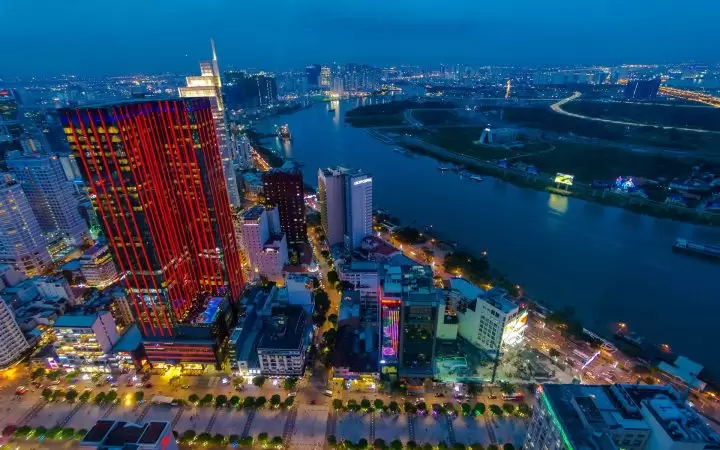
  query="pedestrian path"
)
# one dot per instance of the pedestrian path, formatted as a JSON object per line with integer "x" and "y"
{"x": 33, "y": 412}
{"x": 211, "y": 422}
{"x": 248, "y": 424}
{"x": 70, "y": 415}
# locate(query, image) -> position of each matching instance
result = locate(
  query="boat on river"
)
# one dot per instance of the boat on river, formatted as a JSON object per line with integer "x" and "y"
{"x": 283, "y": 132}
{"x": 704, "y": 250}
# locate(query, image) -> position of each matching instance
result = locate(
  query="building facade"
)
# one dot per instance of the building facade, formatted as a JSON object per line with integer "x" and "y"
{"x": 118, "y": 434}
{"x": 85, "y": 342}
{"x": 345, "y": 199}
{"x": 98, "y": 267}
{"x": 208, "y": 85}
{"x": 166, "y": 215}
{"x": 332, "y": 204}
{"x": 283, "y": 189}
{"x": 22, "y": 243}
{"x": 12, "y": 341}
{"x": 262, "y": 242}
{"x": 283, "y": 345}
{"x": 611, "y": 417}
{"x": 51, "y": 196}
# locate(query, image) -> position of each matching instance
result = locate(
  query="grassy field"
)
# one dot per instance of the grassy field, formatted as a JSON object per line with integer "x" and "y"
{"x": 387, "y": 114}
{"x": 706, "y": 118}
{"x": 436, "y": 117}
{"x": 546, "y": 119}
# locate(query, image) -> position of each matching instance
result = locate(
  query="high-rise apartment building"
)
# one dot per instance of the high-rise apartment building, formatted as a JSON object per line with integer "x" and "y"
{"x": 312, "y": 74}
{"x": 618, "y": 416}
{"x": 345, "y": 198}
{"x": 208, "y": 85}
{"x": 12, "y": 340}
{"x": 22, "y": 243}
{"x": 325, "y": 76}
{"x": 283, "y": 189}
{"x": 411, "y": 309}
{"x": 51, "y": 196}
{"x": 165, "y": 214}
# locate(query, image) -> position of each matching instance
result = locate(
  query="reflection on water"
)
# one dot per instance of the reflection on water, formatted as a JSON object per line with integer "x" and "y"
{"x": 286, "y": 147}
{"x": 558, "y": 203}
{"x": 335, "y": 104}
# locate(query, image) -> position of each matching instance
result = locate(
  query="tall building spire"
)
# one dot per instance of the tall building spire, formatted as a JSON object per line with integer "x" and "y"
{"x": 212, "y": 44}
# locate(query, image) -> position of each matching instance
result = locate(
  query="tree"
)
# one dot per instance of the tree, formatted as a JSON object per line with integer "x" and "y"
{"x": 289, "y": 401}
{"x": 409, "y": 408}
{"x": 554, "y": 353}
{"x": 459, "y": 446}
{"x": 188, "y": 436}
{"x": 249, "y": 402}
{"x": 233, "y": 439}
{"x": 139, "y": 396}
{"x": 393, "y": 406}
{"x": 260, "y": 401}
{"x": 100, "y": 397}
{"x": 290, "y": 383}
{"x": 206, "y": 400}
{"x": 333, "y": 319}
{"x": 641, "y": 369}
{"x": 193, "y": 398}
{"x": 479, "y": 409}
{"x": 465, "y": 407}
{"x": 411, "y": 445}
{"x": 71, "y": 396}
{"x": 524, "y": 410}
{"x": 67, "y": 433}
{"x": 319, "y": 320}
{"x": 332, "y": 277}
{"x": 58, "y": 394}
{"x": 378, "y": 404}
{"x": 40, "y": 431}
{"x": 362, "y": 443}
{"x": 508, "y": 446}
{"x": 315, "y": 283}
{"x": 47, "y": 393}
{"x": 234, "y": 401}
{"x": 427, "y": 447}
{"x": 325, "y": 254}
{"x": 507, "y": 388}
{"x": 23, "y": 431}
{"x": 332, "y": 440}
{"x": 85, "y": 396}
{"x": 476, "y": 446}
{"x": 275, "y": 401}
{"x": 262, "y": 438}
{"x": 9, "y": 430}
{"x": 322, "y": 301}
{"x": 396, "y": 445}
{"x": 79, "y": 434}
{"x": 442, "y": 445}
{"x": 365, "y": 404}
{"x": 247, "y": 441}
{"x": 218, "y": 439}
{"x": 496, "y": 410}
{"x": 38, "y": 373}
{"x": 53, "y": 433}
{"x": 277, "y": 441}
{"x": 204, "y": 438}
{"x": 421, "y": 406}
{"x": 221, "y": 400}
{"x": 259, "y": 381}
{"x": 337, "y": 404}
{"x": 379, "y": 444}
{"x": 111, "y": 397}
{"x": 509, "y": 408}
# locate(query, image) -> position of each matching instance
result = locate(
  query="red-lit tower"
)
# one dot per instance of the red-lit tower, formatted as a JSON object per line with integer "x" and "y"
{"x": 154, "y": 173}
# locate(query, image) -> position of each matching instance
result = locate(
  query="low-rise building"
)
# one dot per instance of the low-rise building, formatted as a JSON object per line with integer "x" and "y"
{"x": 283, "y": 345}
{"x": 120, "y": 435}
{"x": 489, "y": 320}
{"x": 85, "y": 342}
{"x": 611, "y": 417}
{"x": 98, "y": 267}
{"x": 362, "y": 275}
{"x": 53, "y": 287}
{"x": 299, "y": 290}
{"x": 376, "y": 249}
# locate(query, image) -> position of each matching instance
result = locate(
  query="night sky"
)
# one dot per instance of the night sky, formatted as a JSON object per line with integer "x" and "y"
{"x": 97, "y": 37}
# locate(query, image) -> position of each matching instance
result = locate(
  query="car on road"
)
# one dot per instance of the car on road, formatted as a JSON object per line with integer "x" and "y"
{"x": 185, "y": 386}
{"x": 20, "y": 390}
{"x": 328, "y": 393}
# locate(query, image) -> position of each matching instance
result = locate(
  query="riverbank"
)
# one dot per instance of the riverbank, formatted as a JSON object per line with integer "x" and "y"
{"x": 546, "y": 182}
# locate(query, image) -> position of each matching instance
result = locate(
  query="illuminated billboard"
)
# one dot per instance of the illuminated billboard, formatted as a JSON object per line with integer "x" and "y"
{"x": 563, "y": 178}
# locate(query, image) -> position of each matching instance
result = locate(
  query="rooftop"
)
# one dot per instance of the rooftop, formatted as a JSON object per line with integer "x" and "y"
{"x": 76, "y": 321}
{"x": 253, "y": 213}
{"x": 118, "y": 434}
{"x": 286, "y": 329}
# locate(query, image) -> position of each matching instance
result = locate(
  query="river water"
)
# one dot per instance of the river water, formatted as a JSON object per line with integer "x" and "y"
{"x": 610, "y": 264}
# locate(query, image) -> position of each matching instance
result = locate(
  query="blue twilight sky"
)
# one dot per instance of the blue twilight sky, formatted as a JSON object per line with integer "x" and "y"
{"x": 96, "y": 37}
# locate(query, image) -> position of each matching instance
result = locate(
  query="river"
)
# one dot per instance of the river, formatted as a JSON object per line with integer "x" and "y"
{"x": 610, "y": 264}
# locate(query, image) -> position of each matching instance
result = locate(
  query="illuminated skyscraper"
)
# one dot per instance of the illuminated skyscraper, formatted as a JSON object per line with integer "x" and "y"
{"x": 325, "y": 76}
{"x": 51, "y": 196}
{"x": 22, "y": 243}
{"x": 156, "y": 180}
{"x": 284, "y": 189}
{"x": 208, "y": 84}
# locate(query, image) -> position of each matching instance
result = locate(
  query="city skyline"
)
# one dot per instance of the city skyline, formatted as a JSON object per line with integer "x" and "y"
{"x": 294, "y": 34}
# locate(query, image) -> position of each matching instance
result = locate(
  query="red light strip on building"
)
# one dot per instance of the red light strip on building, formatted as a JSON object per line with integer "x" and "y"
{"x": 130, "y": 234}
{"x": 103, "y": 216}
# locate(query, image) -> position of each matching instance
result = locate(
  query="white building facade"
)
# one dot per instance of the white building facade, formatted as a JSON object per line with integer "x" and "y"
{"x": 12, "y": 341}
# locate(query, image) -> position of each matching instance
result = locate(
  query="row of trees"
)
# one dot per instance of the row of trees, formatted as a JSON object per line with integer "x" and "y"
{"x": 101, "y": 398}
{"x": 55, "y": 433}
{"x": 219, "y": 439}
{"x": 221, "y": 401}
{"x": 259, "y": 381}
{"x": 380, "y": 444}
{"x": 522, "y": 409}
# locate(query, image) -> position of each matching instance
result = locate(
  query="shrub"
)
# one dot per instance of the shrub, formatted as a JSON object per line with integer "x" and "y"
{"x": 221, "y": 400}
